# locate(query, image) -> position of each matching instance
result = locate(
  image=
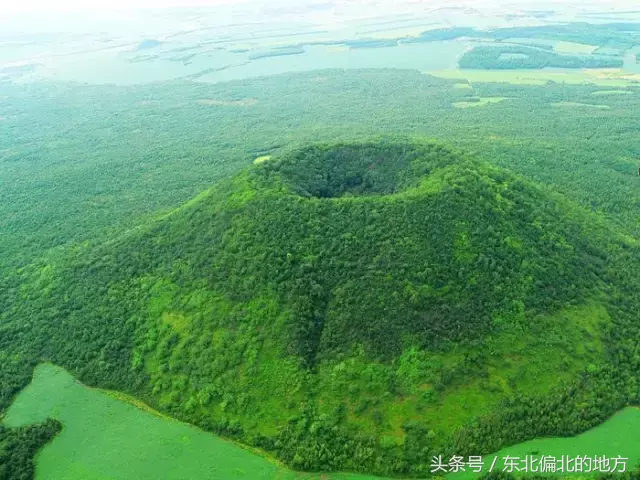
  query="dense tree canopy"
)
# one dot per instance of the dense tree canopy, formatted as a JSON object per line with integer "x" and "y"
{"x": 331, "y": 306}
{"x": 294, "y": 306}
{"x": 19, "y": 446}
{"x": 514, "y": 57}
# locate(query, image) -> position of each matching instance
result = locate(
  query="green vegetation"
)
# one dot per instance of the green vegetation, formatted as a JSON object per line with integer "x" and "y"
{"x": 129, "y": 169}
{"x": 612, "y": 92}
{"x": 478, "y": 101}
{"x": 109, "y": 435}
{"x": 531, "y": 42}
{"x": 441, "y": 34}
{"x": 518, "y": 57}
{"x": 261, "y": 159}
{"x": 301, "y": 314}
{"x": 354, "y": 306}
{"x": 610, "y": 34}
{"x": 577, "y": 104}
{"x": 106, "y": 437}
{"x": 615, "y": 437}
{"x": 606, "y": 78}
{"x": 19, "y": 446}
{"x": 575, "y": 48}
{"x": 567, "y": 38}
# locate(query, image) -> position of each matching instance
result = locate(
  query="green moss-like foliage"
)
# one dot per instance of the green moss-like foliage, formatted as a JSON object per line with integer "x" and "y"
{"x": 357, "y": 306}
{"x": 19, "y": 446}
{"x": 422, "y": 247}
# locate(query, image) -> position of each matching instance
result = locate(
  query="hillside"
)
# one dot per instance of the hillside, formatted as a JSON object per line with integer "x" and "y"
{"x": 356, "y": 306}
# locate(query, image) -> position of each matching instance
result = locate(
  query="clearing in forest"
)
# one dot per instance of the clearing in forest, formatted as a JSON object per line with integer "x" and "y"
{"x": 572, "y": 47}
{"x": 478, "y": 102}
{"x": 261, "y": 159}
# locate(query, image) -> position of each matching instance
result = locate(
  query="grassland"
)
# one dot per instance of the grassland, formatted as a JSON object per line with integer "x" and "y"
{"x": 109, "y": 435}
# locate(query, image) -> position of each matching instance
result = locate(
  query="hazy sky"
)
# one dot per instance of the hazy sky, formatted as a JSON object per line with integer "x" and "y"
{"x": 33, "y": 6}
{"x": 13, "y": 6}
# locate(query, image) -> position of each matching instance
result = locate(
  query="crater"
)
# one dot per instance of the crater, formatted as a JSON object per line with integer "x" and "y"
{"x": 357, "y": 169}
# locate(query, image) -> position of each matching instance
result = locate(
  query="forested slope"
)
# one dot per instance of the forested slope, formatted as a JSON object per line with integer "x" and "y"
{"x": 357, "y": 306}
{"x": 18, "y": 448}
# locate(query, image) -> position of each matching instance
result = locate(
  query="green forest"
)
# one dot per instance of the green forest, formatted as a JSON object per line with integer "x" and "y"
{"x": 240, "y": 312}
{"x": 616, "y": 35}
{"x": 395, "y": 278}
{"x": 514, "y": 57}
{"x": 19, "y": 446}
